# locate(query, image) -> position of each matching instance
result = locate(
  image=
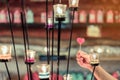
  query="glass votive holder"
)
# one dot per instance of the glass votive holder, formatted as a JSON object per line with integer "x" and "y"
{"x": 30, "y": 56}
{"x": 50, "y": 23}
{"x": 44, "y": 71}
{"x": 59, "y": 11}
{"x": 67, "y": 77}
{"x": 73, "y": 4}
{"x": 94, "y": 59}
{"x": 5, "y": 52}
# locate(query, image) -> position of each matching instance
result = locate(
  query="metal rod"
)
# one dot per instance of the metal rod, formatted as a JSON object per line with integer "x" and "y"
{"x": 70, "y": 42}
{"x": 24, "y": 23}
{"x": 7, "y": 71}
{"x": 25, "y": 33}
{"x": 93, "y": 72}
{"x": 49, "y": 31}
{"x": 31, "y": 77}
{"x": 52, "y": 42}
{"x": 58, "y": 51}
{"x": 24, "y": 42}
{"x": 47, "y": 34}
{"x": 12, "y": 35}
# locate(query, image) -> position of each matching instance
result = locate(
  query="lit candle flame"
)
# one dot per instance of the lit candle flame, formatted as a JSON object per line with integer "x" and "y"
{"x": 44, "y": 69}
{"x": 4, "y": 49}
{"x": 94, "y": 56}
{"x": 30, "y": 53}
{"x": 59, "y": 10}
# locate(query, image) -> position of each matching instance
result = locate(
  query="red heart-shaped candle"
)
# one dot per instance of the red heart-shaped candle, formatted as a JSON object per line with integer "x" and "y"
{"x": 80, "y": 40}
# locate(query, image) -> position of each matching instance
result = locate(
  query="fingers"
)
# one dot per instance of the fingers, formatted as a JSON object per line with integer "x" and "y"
{"x": 79, "y": 61}
{"x": 82, "y": 57}
{"x": 82, "y": 54}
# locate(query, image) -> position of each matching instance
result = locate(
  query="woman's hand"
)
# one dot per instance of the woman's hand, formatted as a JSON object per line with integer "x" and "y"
{"x": 83, "y": 60}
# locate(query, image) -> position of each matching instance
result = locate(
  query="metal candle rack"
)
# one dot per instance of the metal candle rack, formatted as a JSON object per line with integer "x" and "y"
{"x": 26, "y": 37}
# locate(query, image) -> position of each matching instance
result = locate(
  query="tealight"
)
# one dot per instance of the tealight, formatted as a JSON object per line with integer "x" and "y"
{"x": 30, "y": 56}
{"x": 5, "y": 52}
{"x": 50, "y": 23}
{"x": 94, "y": 59}
{"x": 73, "y": 4}
{"x": 44, "y": 71}
{"x": 59, "y": 11}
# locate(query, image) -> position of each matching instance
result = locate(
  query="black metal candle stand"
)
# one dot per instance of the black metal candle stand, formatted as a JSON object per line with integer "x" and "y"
{"x": 60, "y": 19}
{"x": 5, "y": 60}
{"x": 73, "y": 8}
{"x": 29, "y": 63}
{"x": 95, "y": 64}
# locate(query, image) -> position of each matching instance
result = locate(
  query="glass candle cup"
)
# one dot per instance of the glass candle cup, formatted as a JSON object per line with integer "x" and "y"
{"x": 67, "y": 77}
{"x": 44, "y": 71}
{"x": 30, "y": 56}
{"x": 50, "y": 23}
{"x": 94, "y": 59}
{"x": 59, "y": 11}
{"x": 5, "y": 52}
{"x": 73, "y": 4}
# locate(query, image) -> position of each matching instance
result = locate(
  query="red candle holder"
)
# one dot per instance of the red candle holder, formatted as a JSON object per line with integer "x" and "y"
{"x": 50, "y": 23}
{"x": 30, "y": 57}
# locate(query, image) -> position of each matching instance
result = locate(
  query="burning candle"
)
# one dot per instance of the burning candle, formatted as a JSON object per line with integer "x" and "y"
{"x": 67, "y": 77}
{"x": 50, "y": 23}
{"x": 44, "y": 71}
{"x": 59, "y": 10}
{"x": 30, "y": 56}
{"x": 94, "y": 59}
{"x": 5, "y": 52}
{"x": 73, "y": 4}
